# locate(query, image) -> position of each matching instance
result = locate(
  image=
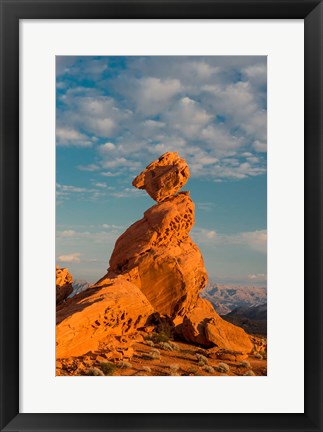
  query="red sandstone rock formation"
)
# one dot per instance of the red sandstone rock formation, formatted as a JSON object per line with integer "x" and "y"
{"x": 204, "y": 326}
{"x": 163, "y": 177}
{"x": 158, "y": 256}
{"x": 155, "y": 268}
{"x": 63, "y": 284}
{"x": 113, "y": 308}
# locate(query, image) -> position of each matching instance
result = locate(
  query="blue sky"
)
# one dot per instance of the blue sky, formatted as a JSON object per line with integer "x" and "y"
{"x": 114, "y": 115}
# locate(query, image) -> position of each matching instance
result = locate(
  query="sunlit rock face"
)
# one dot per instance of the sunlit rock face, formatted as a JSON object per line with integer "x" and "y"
{"x": 164, "y": 177}
{"x": 63, "y": 284}
{"x": 155, "y": 268}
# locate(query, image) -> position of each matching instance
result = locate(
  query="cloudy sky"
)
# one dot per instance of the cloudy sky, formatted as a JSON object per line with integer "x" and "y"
{"x": 116, "y": 114}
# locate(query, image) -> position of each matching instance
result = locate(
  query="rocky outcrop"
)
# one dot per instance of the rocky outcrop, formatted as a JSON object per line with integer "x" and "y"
{"x": 163, "y": 177}
{"x": 158, "y": 256}
{"x": 113, "y": 308}
{"x": 204, "y": 326}
{"x": 156, "y": 272}
{"x": 63, "y": 284}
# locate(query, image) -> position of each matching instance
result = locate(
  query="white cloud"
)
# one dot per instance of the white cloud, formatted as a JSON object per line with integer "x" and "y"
{"x": 260, "y": 146}
{"x": 70, "y": 188}
{"x": 70, "y": 258}
{"x": 107, "y": 147}
{"x": 66, "y": 233}
{"x": 71, "y": 137}
{"x": 203, "y": 235}
{"x": 109, "y": 174}
{"x": 205, "y": 206}
{"x": 102, "y": 236}
{"x": 187, "y": 116}
{"x": 151, "y": 94}
{"x": 255, "y": 240}
{"x": 90, "y": 167}
{"x": 194, "y": 105}
{"x": 98, "y": 115}
{"x": 257, "y": 277}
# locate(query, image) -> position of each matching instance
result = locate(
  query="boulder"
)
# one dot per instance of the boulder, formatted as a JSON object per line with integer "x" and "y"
{"x": 164, "y": 177}
{"x": 89, "y": 320}
{"x": 202, "y": 325}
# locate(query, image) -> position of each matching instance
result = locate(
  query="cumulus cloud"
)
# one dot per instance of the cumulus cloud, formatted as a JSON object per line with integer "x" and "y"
{"x": 89, "y": 167}
{"x": 255, "y": 240}
{"x": 203, "y": 235}
{"x": 210, "y": 109}
{"x": 71, "y": 137}
{"x": 70, "y": 258}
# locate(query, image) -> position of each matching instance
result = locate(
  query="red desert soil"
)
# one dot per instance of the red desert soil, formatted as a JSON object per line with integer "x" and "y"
{"x": 182, "y": 361}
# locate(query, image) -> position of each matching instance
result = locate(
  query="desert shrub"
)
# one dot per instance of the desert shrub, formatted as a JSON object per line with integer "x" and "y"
{"x": 174, "y": 367}
{"x": 259, "y": 356}
{"x": 150, "y": 343}
{"x": 174, "y": 346}
{"x": 173, "y": 370}
{"x": 249, "y": 373}
{"x": 245, "y": 364}
{"x": 108, "y": 368}
{"x": 166, "y": 346}
{"x": 208, "y": 369}
{"x": 94, "y": 371}
{"x": 202, "y": 360}
{"x": 159, "y": 337}
{"x": 223, "y": 368}
{"x": 124, "y": 365}
{"x": 146, "y": 369}
{"x": 152, "y": 355}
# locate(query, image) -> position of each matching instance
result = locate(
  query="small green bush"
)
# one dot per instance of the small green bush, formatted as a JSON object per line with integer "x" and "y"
{"x": 124, "y": 365}
{"x": 222, "y": 368}
{"x": 152, "y": 355}
{"x": 166, "y": 346}
{"x": 202, "y": 360}
{"x": 94, "y": 371}
{"x": 208, "y": 369}
{"x": 245, "y": 364}
{"x": 108, "y": 368}
{"x": 159, "y": 337}
{"x": 150, "y": 343}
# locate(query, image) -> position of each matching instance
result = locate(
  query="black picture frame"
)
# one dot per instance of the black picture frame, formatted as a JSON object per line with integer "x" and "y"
{"x": 14, "y": 10}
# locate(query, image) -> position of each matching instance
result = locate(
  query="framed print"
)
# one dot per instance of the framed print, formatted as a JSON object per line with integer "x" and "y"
{"x": 167, "y": 159}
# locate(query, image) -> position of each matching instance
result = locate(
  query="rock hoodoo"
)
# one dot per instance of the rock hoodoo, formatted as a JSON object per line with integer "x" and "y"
{"x": 155, "y": 268}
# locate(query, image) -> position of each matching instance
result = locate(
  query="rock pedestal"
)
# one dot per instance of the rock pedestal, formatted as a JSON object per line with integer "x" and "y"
{"x": 155, "y": 268}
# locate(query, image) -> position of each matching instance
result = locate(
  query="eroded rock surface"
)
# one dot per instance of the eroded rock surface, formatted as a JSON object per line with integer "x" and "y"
{"x": 113, "y": 308}
{"x": 204, "y": 326}
{"x": 63, "y": 284}
{"x": 155, "y": 272}
{"x": 163, "y": 177}
{"x": 158, "y": 256}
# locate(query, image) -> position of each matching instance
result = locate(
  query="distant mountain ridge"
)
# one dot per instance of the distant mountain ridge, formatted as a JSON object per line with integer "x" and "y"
{"x": 78, "y": 287}
{"x": 226, "y": 298}
{"x": 252, "y": 319}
